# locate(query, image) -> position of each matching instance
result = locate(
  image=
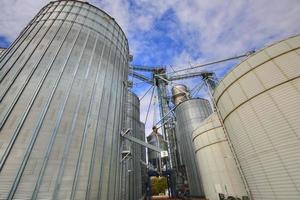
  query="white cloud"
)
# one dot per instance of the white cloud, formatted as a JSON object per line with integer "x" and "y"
{"x": 213, "y": 27}
{"x": 223, "y": 28}
{"x": 118, "y": 9}
{"x": 216, "y": 29}
{"x": 16, "y": 14}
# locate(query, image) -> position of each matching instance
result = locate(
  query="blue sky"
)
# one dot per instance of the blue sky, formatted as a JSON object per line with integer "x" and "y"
{"x": 180, "y": 32}
{"x": 4, "y": 42}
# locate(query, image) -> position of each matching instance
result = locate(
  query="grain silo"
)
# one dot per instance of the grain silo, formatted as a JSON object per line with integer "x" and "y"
{"x": 154, "y": 158}
{"x": 61, "y": 93}
{"x": 134, "y": 172}
{"x": 125, "y": 173}
{"x": 219, "y": 173}
{"x": 189, "y": 114}
{"x": 143, "y": 161}
{"x": 259, "y": 104}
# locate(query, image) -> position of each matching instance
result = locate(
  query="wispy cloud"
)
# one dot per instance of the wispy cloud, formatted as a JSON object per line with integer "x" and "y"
{"x": 193, "y": 31}
{"x": 177, "y": 32}
{"x": 206, "y": 29}
{"x": 16, "y": 14}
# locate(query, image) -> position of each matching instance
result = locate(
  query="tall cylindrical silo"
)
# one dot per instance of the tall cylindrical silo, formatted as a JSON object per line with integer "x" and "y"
{"x": 126, "y": 162}
{"x": 189, "y": 115}
{"x": 132, "y": 121}
{"x": 61, "y": 93}
{"x": 259, "y": 104}
{"x": 219, "y": 173}
{"x": 125, "y": 169}
{"x": 154, "y": 158}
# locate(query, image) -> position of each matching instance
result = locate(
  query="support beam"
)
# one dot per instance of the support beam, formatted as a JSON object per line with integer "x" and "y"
{"x": 170, "y": 111}
{"x": 141, "y": 77}
{"x": 140, "y": 142}
{"x": 188, "y": 75}
{"x": 142, "y": 68}
{"x": 214, "y": 62}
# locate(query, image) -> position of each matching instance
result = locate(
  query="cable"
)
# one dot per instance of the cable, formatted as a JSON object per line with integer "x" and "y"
{"x": 155, "y": 111}
{"x": 197, "y": 89}
{"x": 146, "y": 93}
{"x": 172, "y": 68}
{"x": 137, "y": 83}
{"x": 194, "y": 89}
{"x": 149, "y": 106}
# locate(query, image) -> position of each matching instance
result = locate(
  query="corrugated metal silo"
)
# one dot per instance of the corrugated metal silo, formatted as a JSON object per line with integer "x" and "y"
{"x": 134, "y": 169}
{"x": 125, "y": 180}
{"x": 143, "y": 159}
{"x": 259, "y": 104}
{"x": 219, "y": 173}
{"x": 126, "y": 164}
{"x": 61, "y": 93}
{"x": 189, "y": 115}
{"x": 154, "y": 158}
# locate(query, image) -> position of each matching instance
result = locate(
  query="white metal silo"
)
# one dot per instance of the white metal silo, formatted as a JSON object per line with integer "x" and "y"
{"x": 61, "y": 105}
{"x": 219, "y": 173}
{"x": 259, "y": 102}
{"x": 189, "y": 115}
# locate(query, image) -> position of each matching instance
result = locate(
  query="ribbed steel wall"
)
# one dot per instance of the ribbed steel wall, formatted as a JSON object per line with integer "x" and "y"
{"x": 259, "y": 101}
{"x": 125, "y": 180}
{"x": 143, "y": 159}
{"x": 189, "y": 115}
{"x": 154, "y": 157}
{"x": 126, "y": 164}
{"x": 2, "y": 51}
{"x": 219, "y": 173}
{"x": 133, "y": 174}
{"x": 61, "y": 93}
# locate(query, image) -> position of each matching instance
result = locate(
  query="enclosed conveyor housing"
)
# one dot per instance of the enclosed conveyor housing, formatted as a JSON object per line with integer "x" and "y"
{"x": 259, "y": 101}
{"x": 61, "y": 105}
